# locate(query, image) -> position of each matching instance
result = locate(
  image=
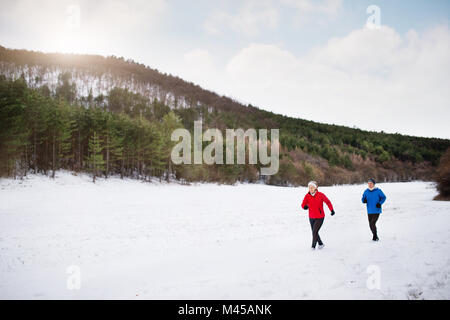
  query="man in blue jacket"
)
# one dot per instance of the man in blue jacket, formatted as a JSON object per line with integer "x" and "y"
{"x": 374, "y": 198}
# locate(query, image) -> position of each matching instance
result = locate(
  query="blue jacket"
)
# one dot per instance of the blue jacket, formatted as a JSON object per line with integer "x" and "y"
{"x": 373, "y": 197}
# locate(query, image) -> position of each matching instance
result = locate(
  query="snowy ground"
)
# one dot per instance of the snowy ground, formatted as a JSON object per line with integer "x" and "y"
{"x": 134, "y": 240}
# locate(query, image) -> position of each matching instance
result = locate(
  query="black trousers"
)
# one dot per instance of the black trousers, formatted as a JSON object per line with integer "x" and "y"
{"x": 372, "y": 223}
{"x": 315, "y": 227}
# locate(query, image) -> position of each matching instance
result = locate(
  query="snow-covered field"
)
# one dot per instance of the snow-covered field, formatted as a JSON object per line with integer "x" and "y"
{"x": 135, "y": 240}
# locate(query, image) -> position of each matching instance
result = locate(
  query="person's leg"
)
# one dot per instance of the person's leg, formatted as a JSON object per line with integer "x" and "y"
{"x": 316, "y": 227}
{"x": 375, "y": 219}
{"x": 319, "y": 241}
{"x": 372, "y": 224}
{"x": 369, "y": 216}
{"x": 312, "y": 222}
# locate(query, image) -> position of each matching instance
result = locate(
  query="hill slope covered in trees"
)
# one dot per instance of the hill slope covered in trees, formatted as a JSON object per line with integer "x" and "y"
{"x": 107, "y": 115}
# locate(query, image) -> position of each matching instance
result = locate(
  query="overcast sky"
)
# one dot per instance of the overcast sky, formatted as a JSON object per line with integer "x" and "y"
{"x": 315, "y": 60}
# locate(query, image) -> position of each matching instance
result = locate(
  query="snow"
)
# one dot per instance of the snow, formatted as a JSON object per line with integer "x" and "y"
{"x": 136, "y": 240}
{"x": 86, "y": 80}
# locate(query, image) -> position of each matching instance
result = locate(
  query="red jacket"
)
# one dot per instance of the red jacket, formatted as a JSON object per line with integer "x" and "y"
{"x": 315, "y": 204}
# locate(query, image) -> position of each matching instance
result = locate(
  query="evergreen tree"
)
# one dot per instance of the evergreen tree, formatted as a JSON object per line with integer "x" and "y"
{"x": 13, "y": 129}
{"x": 169, "y": 123}
{"x": 95, "y": 160}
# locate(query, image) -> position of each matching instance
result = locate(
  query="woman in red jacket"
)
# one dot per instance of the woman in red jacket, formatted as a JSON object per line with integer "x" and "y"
{"x": 314, "y": 202}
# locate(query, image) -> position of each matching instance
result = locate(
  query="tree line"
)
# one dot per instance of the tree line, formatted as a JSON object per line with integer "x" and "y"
{"x": 43, "y": 132}
{"x": 144, "y": 96}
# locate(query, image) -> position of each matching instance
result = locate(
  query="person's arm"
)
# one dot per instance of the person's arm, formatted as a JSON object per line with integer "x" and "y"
{"x": 328, "y": 202}
{"x": 382, "y": 197}
{"x": 364, "y": 198}
{"x": 305, "y": 203}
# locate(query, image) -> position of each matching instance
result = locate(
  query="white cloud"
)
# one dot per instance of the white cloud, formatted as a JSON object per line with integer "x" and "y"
{"x": 253, "y": 17}
{"x": 373, "y": 79}
{"x": 250, "y": 19}
{"x": 43, "y": 24}
{"x": 125, "y": 14}
{"x": 114, "y": 14}
{"x": 196, "y": 64}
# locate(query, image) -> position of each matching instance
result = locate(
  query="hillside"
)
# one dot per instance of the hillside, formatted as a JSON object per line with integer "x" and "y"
{"x": 107, "y": 116}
